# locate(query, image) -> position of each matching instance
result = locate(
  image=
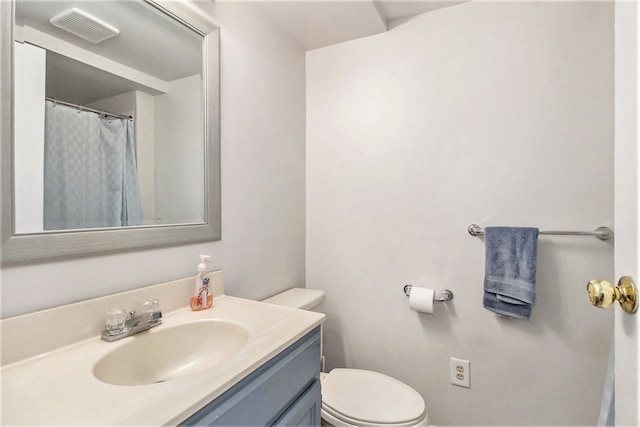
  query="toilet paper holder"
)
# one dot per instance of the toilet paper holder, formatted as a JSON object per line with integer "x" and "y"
{"x": 447, "y": 295}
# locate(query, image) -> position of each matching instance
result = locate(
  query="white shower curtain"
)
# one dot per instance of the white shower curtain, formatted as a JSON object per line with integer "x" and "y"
{"x": 90, "y": 175}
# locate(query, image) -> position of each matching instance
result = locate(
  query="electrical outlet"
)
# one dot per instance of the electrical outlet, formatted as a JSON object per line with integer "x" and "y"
{"x": 459, "y": 372}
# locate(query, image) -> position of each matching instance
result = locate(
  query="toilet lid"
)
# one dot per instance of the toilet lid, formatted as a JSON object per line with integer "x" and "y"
{"x": 370, "y": 397}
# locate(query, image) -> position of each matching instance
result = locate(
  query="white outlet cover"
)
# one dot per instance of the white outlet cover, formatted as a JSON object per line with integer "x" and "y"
{"x": 460, "y": 372}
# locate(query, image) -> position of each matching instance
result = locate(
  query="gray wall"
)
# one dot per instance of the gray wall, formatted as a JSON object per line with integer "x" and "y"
{"x": 496, "y": 113}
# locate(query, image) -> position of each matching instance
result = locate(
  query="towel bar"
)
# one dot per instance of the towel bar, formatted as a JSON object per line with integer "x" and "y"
{"x": 602, "y": 233}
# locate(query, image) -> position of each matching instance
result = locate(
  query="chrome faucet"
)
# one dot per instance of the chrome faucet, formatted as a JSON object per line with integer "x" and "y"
{"x": 119, "y": 327}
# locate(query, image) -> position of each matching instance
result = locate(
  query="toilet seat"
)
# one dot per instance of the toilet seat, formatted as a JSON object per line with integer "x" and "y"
{"x": 370, "y": 399}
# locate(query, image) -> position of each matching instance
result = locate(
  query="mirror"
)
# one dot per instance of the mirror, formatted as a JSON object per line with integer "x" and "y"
{"x": 144, "y": 171}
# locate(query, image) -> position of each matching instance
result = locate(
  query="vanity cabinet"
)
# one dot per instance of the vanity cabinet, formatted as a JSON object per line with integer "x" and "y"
{"x": 285, "y": 391}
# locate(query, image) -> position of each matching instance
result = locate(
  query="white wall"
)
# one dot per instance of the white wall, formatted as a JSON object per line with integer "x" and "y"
{"x": 496, "y": 113}
{"x": 263, "y": 185}
{"x": 179, "y": 161}
{"x": 29, "y": 137}
{"x": 124, "y": 104}
{"x": 145, "y": 155}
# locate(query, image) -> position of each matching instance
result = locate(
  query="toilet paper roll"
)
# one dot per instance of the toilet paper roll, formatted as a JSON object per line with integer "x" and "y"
{"x": 421, "y": 299}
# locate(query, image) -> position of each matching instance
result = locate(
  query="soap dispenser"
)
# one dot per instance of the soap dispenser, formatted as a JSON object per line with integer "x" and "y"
{"x": 202, "y": 297}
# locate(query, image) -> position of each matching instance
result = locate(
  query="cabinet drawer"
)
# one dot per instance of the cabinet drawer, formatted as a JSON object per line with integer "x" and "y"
{"x": 267, "y": 393}
{"x": 306, "y": 410}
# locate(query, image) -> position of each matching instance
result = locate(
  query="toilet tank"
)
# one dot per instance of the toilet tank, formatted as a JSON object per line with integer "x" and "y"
{"x": 300, "y": 298}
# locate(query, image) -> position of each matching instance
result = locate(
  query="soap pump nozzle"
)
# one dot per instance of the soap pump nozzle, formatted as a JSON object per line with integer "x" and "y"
{"x": 202, "y": 267}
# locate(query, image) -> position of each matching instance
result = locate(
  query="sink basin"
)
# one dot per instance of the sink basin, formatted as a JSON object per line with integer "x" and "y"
{"x": 166, "y": 353}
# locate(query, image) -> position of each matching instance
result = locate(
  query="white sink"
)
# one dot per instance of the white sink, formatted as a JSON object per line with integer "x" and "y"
{"x": 166, "y": 353}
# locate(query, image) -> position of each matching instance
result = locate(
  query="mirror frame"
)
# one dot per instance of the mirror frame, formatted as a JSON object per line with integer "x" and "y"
{"x": 52, "y": 246}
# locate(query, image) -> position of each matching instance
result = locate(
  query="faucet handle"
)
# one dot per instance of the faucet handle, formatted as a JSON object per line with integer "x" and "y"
{"x": 115, "y": 320}
{"x": 150, "y": 306}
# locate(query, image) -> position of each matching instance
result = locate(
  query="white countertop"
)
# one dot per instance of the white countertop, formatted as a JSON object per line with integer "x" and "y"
{"x": 59, "y": 387}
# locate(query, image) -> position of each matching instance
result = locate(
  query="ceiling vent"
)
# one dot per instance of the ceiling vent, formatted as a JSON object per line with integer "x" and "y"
{"x": 84, "y": 25}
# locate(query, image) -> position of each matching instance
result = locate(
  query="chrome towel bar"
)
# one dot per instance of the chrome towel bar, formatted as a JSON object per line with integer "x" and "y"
{"x": 602, "y": 233}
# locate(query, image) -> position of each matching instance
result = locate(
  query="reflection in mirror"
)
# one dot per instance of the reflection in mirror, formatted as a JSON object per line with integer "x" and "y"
{"x": 109, "y": 128}
{"x": 144, "y": 97}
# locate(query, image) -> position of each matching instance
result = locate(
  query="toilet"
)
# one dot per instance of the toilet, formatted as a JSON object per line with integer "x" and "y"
{"x": 358, "y": 397}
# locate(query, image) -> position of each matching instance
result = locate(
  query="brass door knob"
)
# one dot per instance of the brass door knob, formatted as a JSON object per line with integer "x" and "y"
{"x": 602, "y": 293}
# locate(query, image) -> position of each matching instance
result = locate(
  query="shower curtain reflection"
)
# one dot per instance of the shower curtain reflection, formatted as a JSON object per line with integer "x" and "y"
{"x": 90, "y": 175}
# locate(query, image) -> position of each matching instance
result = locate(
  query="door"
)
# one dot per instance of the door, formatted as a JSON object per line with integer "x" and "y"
{"x": 627, "y": 163}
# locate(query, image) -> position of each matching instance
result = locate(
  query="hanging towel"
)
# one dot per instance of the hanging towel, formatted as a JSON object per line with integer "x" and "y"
{"x": 510, "y": 270}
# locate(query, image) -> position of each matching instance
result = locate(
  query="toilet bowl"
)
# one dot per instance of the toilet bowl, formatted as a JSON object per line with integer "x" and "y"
{"x": 358, "y": 397}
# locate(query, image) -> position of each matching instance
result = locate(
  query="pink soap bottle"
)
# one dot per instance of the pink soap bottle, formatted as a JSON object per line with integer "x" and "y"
{"x": 202, "y": 297}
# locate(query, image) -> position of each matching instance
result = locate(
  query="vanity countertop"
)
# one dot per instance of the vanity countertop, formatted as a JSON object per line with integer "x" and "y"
{"x": 59, "y": 387}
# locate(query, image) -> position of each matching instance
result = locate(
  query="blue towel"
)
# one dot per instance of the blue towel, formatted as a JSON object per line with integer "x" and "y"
{"x": 510, "y": 270}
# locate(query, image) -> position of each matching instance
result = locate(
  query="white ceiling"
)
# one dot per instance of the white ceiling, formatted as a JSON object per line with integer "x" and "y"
{"x": 319, "y": 23}
{"x": 148, "y": 42}
{"x": 147, "y": 38}
{"x": 399, "y": 9}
